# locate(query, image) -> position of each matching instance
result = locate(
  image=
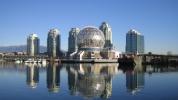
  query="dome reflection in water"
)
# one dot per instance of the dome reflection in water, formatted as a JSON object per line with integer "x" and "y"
{"x": 91, "y": 80}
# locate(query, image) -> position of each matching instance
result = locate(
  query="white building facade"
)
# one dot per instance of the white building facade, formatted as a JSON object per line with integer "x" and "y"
{"x": 33, "y": 45}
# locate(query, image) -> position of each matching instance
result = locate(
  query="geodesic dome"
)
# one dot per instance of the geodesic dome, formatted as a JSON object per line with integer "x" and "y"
{"x": 90, "y": 38}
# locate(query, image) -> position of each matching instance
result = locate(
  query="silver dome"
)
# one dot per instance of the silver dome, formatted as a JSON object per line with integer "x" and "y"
{"x": 90, "y": 38}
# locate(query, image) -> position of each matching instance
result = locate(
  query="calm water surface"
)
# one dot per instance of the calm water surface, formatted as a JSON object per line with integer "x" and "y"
{"x": 87, "y": 81}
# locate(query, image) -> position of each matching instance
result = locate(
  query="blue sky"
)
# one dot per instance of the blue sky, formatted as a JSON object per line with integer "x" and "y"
{"x": 157, "y": 20}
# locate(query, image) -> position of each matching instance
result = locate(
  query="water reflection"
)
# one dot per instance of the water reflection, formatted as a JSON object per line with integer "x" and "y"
{"x": 160, "y": 69}
{"x": 32, "y": 75}
{"x": 88, "y": 80}
{"x": 91, "y": 80}
{"x": 135, "y": 80}
{"x": 53, "y": 77}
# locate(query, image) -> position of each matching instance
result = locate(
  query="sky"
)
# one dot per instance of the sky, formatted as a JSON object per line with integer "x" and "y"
{"x": 157, "y": 20}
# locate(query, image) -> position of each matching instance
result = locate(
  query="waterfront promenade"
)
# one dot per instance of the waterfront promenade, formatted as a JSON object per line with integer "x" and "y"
{"x": 137, "y": 59}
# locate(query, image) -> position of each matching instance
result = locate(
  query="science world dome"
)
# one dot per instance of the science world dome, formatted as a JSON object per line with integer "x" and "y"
{"x": 90, "y": 38}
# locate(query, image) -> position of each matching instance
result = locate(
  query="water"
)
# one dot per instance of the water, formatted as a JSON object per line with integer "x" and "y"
{"x": 87, "y": 81}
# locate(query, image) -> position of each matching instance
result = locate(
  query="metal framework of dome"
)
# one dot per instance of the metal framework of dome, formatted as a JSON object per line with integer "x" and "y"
{"x": 90, "y": 38}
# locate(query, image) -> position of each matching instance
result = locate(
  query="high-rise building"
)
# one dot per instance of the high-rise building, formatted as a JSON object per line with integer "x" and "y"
{"x": 33, "y": 45}
{"x": 53, "y": 43}
{"x": 134, "y": 42}
{"x": 106, "y": 29}
{"x": 72, "y": 40}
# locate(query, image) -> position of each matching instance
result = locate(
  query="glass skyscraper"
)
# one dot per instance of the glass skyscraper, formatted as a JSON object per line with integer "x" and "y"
{"x": 53, "y": 43}
{"x": 33, "y": 44}
{"x": 72, "y": 40}
{"x": 134, "y": 42}
{"x": 106, "y": 29}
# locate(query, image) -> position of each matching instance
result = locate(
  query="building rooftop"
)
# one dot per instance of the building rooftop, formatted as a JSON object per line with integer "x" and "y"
{"x": 133, "y": 31}
{"x": 33, "y": 35}
{"x": 54, "y": 31}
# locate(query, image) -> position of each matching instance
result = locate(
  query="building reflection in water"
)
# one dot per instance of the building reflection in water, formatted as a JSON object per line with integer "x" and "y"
{"x": 32, "y": 75}
{"x": 135, "y": 79}
{"x": 91, "y": 80}
{"x": 53, "y": 77}
{"x": 160, "y": 69}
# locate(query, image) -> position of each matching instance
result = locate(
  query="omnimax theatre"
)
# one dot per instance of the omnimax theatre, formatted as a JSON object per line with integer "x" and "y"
{"x": 92, "y": 43}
